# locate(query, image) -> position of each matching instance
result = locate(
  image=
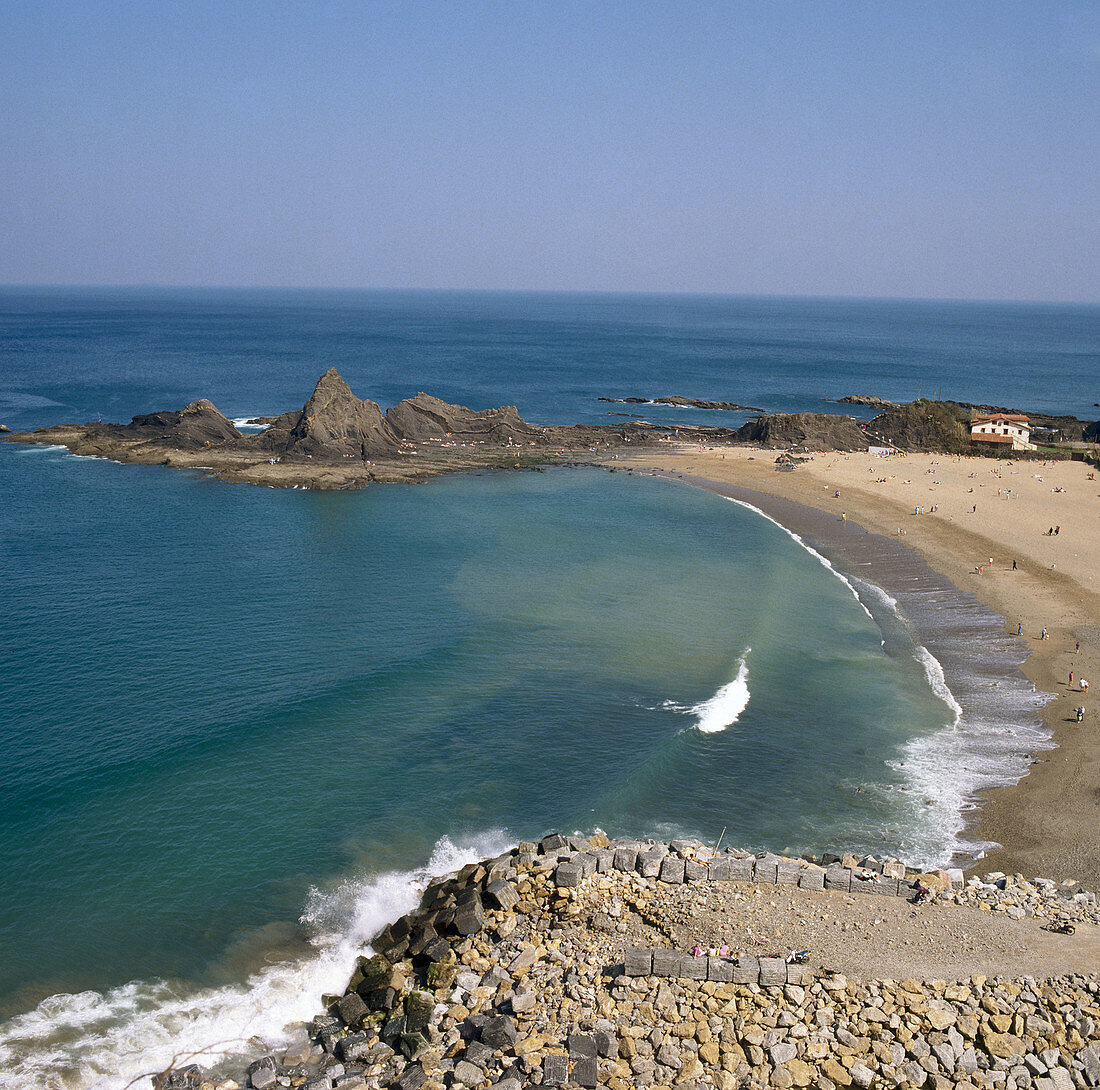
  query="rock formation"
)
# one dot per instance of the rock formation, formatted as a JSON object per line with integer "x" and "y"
{"x": 810, "y": 431}
{"x": 333, "y": 423}
{"x": 425, "y": 417}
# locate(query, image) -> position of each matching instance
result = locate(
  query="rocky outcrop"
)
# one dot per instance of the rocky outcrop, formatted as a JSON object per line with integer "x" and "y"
{"x": 333, "y": 424}
{"x": 684, "y": 402}
{"x": 940, "y": 426}
{"x": 196, "y": 425}
{"x": 425, "y": 417}
{"x": 866, "y": 399}
{"x": 809, "y": 431}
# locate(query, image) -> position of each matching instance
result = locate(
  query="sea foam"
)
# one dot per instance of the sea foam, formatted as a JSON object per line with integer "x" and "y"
{"x": 724, "y": 708}
{"x": 107, "y": 1040}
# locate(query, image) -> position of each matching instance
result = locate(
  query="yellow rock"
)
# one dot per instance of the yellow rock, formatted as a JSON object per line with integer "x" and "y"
{"x": 835, "y": 1072}
{"x": 709, "y": 1053}
{"x": 801, "y": 1072}
{"x": 534, "y": 1043}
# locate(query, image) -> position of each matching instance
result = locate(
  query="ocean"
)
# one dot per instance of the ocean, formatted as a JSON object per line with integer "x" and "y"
{"x": 241, "y": 724}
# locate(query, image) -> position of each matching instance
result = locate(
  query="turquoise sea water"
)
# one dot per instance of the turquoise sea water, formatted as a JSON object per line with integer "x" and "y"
{"x": 236, "y": 719}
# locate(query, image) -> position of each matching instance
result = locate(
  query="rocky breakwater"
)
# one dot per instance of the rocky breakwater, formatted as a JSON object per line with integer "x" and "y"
{"x": 634, "y": 963}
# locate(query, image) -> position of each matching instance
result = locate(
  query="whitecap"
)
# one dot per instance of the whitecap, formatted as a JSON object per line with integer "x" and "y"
{"x": 724, "y": 708}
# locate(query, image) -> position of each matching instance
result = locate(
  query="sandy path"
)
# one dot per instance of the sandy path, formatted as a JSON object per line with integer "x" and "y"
{"x": 1048, "y": 824}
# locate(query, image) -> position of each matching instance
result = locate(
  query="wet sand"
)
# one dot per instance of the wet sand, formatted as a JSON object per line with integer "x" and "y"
{"x": 1046, "y": 824}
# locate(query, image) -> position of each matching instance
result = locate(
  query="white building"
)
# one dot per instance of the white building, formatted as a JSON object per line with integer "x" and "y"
{"x": 1012, "y": 430}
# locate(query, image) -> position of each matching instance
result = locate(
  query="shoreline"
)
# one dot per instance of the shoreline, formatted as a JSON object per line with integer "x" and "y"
{"x": 937, "y": 616}
{"x": 1042, "y": 823}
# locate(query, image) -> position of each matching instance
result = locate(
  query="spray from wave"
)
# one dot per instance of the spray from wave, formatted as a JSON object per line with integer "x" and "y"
{"x": 724, "y": 708}
{"x": 106, "y": 1040}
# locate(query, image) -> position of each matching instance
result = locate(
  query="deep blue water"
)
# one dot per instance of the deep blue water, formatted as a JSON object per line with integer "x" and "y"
{"x": 230, "y": 711}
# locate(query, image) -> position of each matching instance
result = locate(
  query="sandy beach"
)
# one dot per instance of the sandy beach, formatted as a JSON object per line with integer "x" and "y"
{"x": 985, "y": 525}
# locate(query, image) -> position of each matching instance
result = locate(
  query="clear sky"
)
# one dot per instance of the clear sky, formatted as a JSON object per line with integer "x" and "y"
{"x": 775, "y": 147}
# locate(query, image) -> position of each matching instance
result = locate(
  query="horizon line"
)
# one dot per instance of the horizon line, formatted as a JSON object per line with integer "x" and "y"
{"x": 636, "y": 292}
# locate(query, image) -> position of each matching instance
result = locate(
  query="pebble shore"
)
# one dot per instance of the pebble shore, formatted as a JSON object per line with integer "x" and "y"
{"x": 555, "y": 965}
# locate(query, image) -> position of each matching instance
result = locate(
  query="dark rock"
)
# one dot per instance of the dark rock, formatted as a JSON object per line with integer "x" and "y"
{"x": 469, "y": 915}
{"x": 418, "y": 1011}
{"x": 478, "y": 1053}
{"x": 195, "y": 426}
{"x": 501, "y": 894}
{"x": 352, "y": 1009}
{"x": 551, "y": 843}
{"x": 412, "y": 1078}
{"x": 567, "y": 875}
{"x": 380, "y": 999}
{"x": 499, "y": 1032}
{"x": 555, "y": 1070}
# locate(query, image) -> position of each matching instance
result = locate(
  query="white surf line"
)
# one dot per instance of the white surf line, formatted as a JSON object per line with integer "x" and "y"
{"x": 823, "y": 561}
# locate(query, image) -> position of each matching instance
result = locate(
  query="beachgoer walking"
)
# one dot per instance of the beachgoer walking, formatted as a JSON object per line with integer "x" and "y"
{"x": 1080, "y": 714}
{"x": 1071, "y": 677}
{"x": 1056, "y": 529}
{"x": 1020, "y": 629}
{"x": 1077, "y": 649}
{"x": 1084, "y": 685}
{"x": 1013, "y": 565}
{"x": 1043, "y": 636}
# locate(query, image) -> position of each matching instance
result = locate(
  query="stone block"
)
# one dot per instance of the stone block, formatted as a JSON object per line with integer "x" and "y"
{"x": 352, "y": 1009}
{"x": 672, "y": 870}
{"x": 585, "y": 1071}
{"x": 499, "y": 1032}
{"x": 797, "y": 974}
{"x": 638, "y": 961}
{"x": 551, "y": 843}
{"x": 422, "y": 937}
{"x": 418, "y": 1011}
{"x": 469, "y": 915}
{"x": 555, "y": 1070}
{"x": 605, "y": 860}
{"x": 567, "y": 875}
{"x": 381, "y": 999}
{"x": 720, "y": 970}
{"x": 437, "y": 949}
{"x": 786, "y": 873}
{"x": 811, "y": 878}
{"x": 773, "y": 972}
{"x": 741, "y": 868}
{"x": 666, "y": 963}
{"x": 765, "y": 869}
{"x": 862, "y": 882}
{"x": 886, "y": 887}
{"x": 746, "y": 970}
{"x": 501, "y": 894}
{"x": 607, "y": 1044}
{"x": 838, "y": 877}
{"x": 587, "y": 863}
{"x": 649, "y": 862}
{"x": 626, "y": 859}
{"x": 719, "y": 870}
{"x": 695, "y": 872}
{"x": 693, "y": 968}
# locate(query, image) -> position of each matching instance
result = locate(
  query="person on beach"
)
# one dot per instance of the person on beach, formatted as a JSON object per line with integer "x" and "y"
{"x": 1080, "y": 715}
{"x": 1077, "y": 649}
{"x": 1084, "y": 685}
{"x": 1020, "y": 629}
{"x": 1013, "y": 565}
{"x": 1043, "y": 634}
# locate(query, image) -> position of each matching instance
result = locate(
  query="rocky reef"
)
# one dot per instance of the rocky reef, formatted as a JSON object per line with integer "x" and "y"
{"x": 338, "y": 440}
{"x": 635, "y": 963}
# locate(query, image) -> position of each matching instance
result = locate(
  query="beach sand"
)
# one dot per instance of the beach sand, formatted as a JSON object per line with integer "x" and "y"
{"x": 985, "y": 509}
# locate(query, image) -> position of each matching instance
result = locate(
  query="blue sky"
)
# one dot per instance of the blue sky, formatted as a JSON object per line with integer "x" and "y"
{"x": 813, "y": 148}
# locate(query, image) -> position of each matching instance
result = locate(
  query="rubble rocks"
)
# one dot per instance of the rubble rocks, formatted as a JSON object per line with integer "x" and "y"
{"x": 502, "y": 979}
